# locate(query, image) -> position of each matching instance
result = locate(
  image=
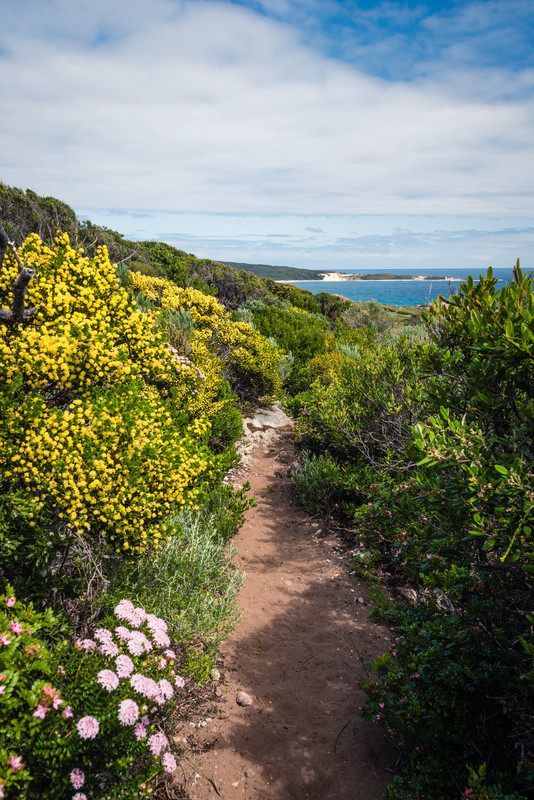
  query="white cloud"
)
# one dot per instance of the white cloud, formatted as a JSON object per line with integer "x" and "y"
{"x": 210, "y": 106}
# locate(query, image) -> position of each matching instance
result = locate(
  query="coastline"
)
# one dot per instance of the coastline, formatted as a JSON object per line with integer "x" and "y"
{"x": 340, "y": 277}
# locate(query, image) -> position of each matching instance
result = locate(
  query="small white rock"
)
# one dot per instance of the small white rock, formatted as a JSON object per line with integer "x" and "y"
{"x": 243, "y": 699}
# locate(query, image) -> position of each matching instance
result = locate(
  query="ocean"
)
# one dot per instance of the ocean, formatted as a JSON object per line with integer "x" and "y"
{"x": 401, "y": 293}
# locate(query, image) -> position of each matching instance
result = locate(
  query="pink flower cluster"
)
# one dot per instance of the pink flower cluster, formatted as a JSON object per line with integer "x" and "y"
{"x": 158, "y": 743}
{"x": 126, "y": 611}
{"x": 108, "y": 679}
{"x": 49, "y": 697}
{"x": 107, "y": 646}
{"x": 124, "y": 666}
{"x": 15, "y": 762}
{"x": 85, "y": 644}
{"x": 128, "y": 712}
{"x": 138, "y": 643}
{"x": 140, "y": 633}
{"x": 88, "y": 727}
{"x": 77, "y": 778}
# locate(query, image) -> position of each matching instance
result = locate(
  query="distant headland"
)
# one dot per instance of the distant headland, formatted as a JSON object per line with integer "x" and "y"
{"x": 377, "y": 276}
{"x": 291, "y": 274}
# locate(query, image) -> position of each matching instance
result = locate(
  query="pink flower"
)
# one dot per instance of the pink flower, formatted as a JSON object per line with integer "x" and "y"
{"x": 56, "y": 702}
{"x": 128, "y": 712}
{"x": 145, "y": 686}
{"x": 77, "y": 778}
{"x": 140, "y": 731}
{"x": 138, "y": 644}
{"x": 157, "y": 742}
{"x": 16, "y": 627}
{"x": 103, "y": 635}
{"x": 10, "y": 601}
{"x": 15, "y": 762}
{"x": 124, "y": 666}
{"x": 170, "y": 654}
{"x": 169, "y": 762}
{"x": 179, "y": 682}
{"x": 108, "y": 648}
{"x": 124, "y": 610}
{"x": 165, "y": 689}
{"x": 67, "y": 713}
{"x": 123, "y": 633}
{"x": 88, "y": 727}
{"x": 156, "y": 623}
{"x": 40, "y": 712}
{"x": 85, "y": 644}
{"x": 137, "y": 617}
{"x": 160, "y": 637}
{"x": 107, "y": 679}
{"x": 4, "y": 639}
{"x": 79, "y": 796}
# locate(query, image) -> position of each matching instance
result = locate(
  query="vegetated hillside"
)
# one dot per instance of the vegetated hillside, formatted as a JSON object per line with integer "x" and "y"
{"x": 121, "y": 392}
{"x": 277, "y": 273}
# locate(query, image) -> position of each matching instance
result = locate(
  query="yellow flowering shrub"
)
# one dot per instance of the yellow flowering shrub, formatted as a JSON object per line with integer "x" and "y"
{"x": 86, "y": 330}
{"x": 115, "y": 461}
{"x": 250, "y": 361}
{"x": 205, "y": 309}
{"x": 102, "y": 422}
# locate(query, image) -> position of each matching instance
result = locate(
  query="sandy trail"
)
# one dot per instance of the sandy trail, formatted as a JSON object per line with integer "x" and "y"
{"x": 293, "y": 654}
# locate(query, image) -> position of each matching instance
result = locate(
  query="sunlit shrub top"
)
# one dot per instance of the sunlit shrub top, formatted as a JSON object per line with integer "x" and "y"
{"x": 204, "y": 309}
{"x": 86, "y": 329}
{"x": 250, "y": 360}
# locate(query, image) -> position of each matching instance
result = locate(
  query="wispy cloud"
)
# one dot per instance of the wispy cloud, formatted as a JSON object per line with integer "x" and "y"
{"x": 340, "y": 241}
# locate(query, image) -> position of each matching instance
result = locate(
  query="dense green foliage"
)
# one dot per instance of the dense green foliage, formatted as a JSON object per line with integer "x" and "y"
{"x": 427, "y": 445}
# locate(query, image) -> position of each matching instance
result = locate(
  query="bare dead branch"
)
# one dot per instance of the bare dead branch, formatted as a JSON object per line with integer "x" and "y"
{"x": 17, "y": 258}
{"x": 3, "y": 244}
{"x": 128, "y": 257}
{"x": 18, "y": 313}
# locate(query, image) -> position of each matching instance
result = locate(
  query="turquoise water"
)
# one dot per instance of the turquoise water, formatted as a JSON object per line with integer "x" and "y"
{"x": 400, "y": 293}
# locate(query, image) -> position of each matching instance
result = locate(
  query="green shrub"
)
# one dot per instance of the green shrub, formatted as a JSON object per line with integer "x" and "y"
{"x": 324, "y": 486}
{"x": 189, "y": 581}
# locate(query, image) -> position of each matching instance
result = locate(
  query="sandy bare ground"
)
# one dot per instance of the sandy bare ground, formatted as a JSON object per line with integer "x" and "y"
{"x": 294, "y": 654}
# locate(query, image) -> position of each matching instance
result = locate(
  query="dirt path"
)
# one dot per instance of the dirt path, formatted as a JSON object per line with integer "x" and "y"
{"x": 293, "y": 655}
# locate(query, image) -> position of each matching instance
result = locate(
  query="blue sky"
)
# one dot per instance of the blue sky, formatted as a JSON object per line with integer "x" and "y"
{"x": 313, "y": 133}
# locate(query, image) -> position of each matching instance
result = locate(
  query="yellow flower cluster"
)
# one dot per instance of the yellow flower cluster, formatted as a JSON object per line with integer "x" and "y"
{"x": 86, "y": 330}
{"x": 117, "y": 464}
{"x": 248, "y": 357}
{"x": 204, "y": 309}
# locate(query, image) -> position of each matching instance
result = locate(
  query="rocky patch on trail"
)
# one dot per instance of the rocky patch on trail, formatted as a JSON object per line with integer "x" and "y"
{"x": 268, "y": 427}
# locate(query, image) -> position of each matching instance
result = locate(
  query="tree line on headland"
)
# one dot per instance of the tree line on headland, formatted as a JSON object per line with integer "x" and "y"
{"x": 126, "y": 368}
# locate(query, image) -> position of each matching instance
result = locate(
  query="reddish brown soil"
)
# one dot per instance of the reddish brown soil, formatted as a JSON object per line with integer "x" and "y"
{"x": 294, "y": 654}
